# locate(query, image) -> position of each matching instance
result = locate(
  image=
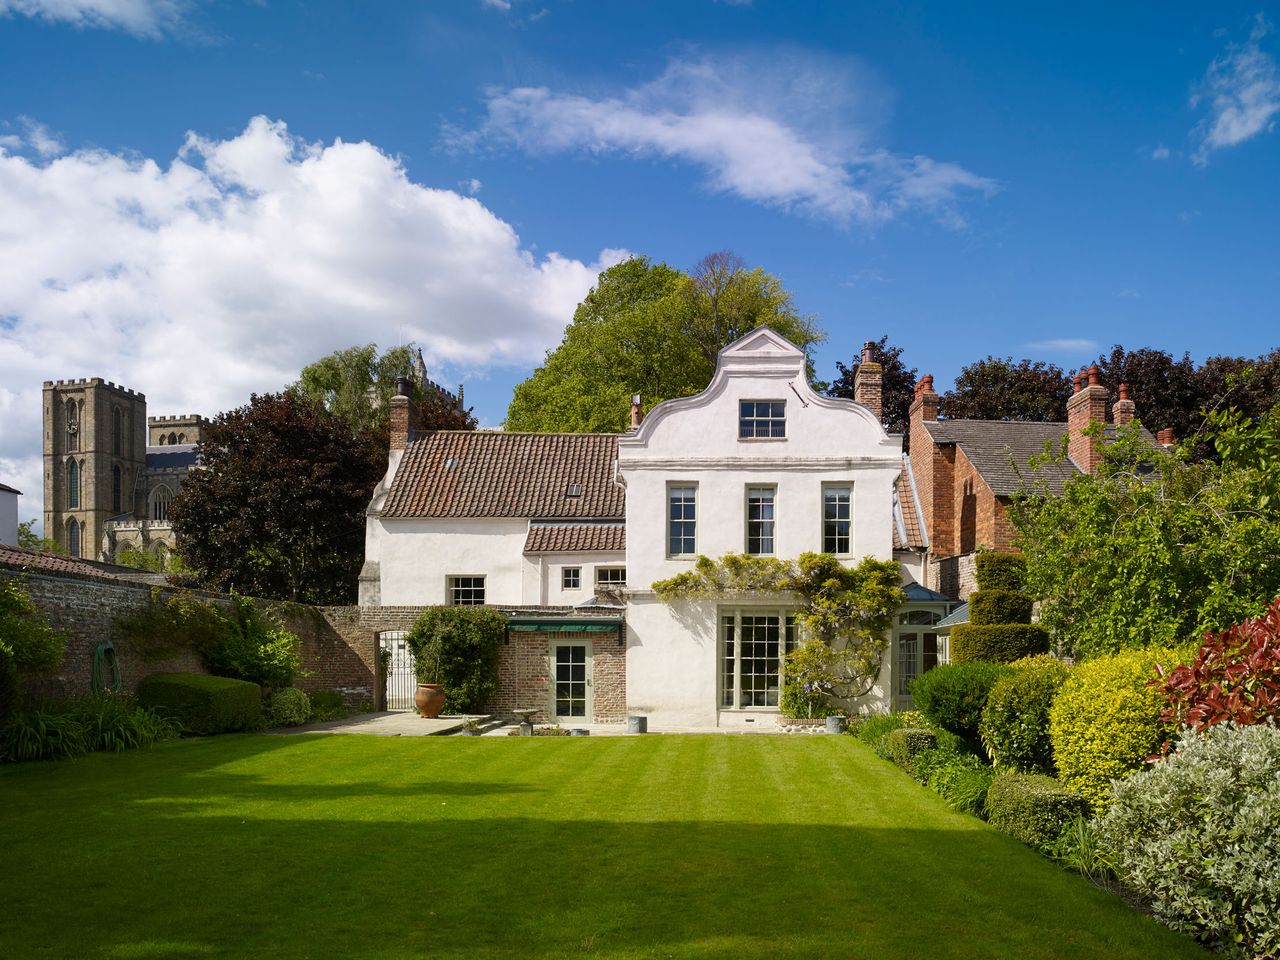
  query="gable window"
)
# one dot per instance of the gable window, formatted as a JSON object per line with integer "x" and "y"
{"x": 466, "y": 591}
{"x": 760, "y": 518}
{"x": 837, "y": 519}
{"x": 73, "y": 485}
{"x": 761, "y": 418}
{"x": 611, "y": 576}
{"x": 682, "y": 521}
{"x": 571, "y": 578}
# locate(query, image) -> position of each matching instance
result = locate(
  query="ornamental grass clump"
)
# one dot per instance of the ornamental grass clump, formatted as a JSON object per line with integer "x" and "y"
{"x": 1198, "y": 835}
{"x": 1015, "y": 721}
{"x": 1107, "y": 720}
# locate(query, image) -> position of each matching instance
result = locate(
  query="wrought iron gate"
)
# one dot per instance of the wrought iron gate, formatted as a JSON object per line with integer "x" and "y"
{"x": 401, "y": 679}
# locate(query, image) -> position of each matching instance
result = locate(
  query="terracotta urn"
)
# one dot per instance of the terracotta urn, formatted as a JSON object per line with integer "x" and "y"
{"x": 429, "y": 699}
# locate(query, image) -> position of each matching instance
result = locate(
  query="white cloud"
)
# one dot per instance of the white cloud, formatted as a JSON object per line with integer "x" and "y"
{"x": 472, "y": 186}
{"x": 787, "y": 130}
{"x": 503, "y": 5}
{"x": 1160, "y": 153}
{"x": 143, "y": 18}
{"x": 1242, "y": 90}
{"x": 1065, "y": 345}
{"x": 242, "y": 260}
{"x": 1129, "y": 294}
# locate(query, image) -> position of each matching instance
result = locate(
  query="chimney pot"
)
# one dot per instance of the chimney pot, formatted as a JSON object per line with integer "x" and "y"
{"x": 1166, "y": 437}
{"x": 637, "y": 411}
{"x": 1124, "y": 391}
{"x": 404, "y": 387}
{"x": 866, "y": 352}
{"x": 1095, "y": 376}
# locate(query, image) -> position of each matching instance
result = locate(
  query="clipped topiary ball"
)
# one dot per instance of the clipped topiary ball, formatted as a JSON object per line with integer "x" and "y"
{"x": 999, "y": 606}
{"x": 1000, "y": 571}
{"x": 288, "y": 707}
{"x": 953, "y": 695}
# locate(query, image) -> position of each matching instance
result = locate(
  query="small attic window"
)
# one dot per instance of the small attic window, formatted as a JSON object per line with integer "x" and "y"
{"x": 451, "y": 463}
{"x": 573, "y": 490}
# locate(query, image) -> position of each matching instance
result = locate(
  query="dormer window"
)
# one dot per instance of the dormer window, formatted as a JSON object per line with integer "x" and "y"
{"x": 573, "y": 490}
{"x": 762, "y": 419}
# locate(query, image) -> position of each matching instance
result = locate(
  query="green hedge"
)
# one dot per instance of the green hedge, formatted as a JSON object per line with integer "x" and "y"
{"x": 1015, "y": 721}
{"x": 953, "y": 695}
{"x": 999, "y": 606}
{"x": 201, "y": 703}
{"x": 997, "y": 643}
{"x": 288, "y": 707}
{"x": 1000, "y": 571}
{"x": 1032, "y": 807}
{"x": 903, "y": 745}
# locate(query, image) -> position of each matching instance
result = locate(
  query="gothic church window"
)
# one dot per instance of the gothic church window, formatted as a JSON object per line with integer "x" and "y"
{"x": 73, "y": 538}
{"x": 115, "y": 489}
{"x": 117, "y": 431}
{"x": 160, "y": 500}
{"x": 73, "y": 485}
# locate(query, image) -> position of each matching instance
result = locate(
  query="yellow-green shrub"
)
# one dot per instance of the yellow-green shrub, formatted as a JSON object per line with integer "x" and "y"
{"x": 1105, "y": 720}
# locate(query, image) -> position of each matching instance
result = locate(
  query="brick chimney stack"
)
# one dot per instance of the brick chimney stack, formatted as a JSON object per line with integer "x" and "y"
{"x": 637, "y": 412}
{"x": 868, "y": 382}
{"x": 1124, "y": 409}
{"x": 1087, "y": 404}
{"x": 404, "y": 414}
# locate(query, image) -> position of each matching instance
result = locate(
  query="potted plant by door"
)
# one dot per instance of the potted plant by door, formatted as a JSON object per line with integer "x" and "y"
{"x": 429, "y": 697}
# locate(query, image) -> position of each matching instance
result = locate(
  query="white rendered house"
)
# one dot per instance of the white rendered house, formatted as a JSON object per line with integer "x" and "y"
{"x": 757, "y": 463}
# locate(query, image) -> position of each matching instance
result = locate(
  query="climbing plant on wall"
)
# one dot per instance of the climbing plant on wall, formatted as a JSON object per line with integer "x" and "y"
{"x": 847, "y": 610}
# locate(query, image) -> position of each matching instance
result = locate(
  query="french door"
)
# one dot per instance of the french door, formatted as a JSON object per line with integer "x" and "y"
{"x": 571, "y": 681}
{"x": 752, "y": 645}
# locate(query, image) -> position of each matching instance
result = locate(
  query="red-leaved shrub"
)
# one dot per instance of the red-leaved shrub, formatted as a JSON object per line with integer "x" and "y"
{"x": 1235, "y": 676}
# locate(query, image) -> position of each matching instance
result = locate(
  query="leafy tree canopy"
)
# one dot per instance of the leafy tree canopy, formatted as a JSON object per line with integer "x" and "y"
{"x": 28, "y": 540}
{"x": 898, "y": 388}
{"x": 647, "y": 328}
{"x": 1158, "y": 548}
{"x": 999, "y": 389}
{"x": 357, "y": 385}
{"x": 276, "y": 509}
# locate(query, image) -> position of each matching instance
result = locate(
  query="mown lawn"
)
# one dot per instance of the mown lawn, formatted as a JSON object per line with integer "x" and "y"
{"x": 659, "y": 846}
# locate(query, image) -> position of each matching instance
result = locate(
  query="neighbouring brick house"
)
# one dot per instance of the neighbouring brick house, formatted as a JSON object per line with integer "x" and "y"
{"x": 573, "y": 529}
{"x": 967, "y": 471}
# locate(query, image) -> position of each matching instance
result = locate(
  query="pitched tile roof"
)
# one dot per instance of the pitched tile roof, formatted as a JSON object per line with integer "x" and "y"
{"x": 476, "y": 473}
{"x": 572, "y": 537}
{"x": 905, "y": 497}
{"x": 30, "y": 561}
{"x": 995, "y": 446}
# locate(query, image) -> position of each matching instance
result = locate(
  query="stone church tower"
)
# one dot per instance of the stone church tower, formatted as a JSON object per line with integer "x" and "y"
{"x": 95, "y": 457}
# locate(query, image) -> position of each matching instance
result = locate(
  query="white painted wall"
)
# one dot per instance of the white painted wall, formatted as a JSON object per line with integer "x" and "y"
{"x": 9, "y": 517}
{"x": 417, "y": 556}
{"x": 672, "y": 650}
{"x": 543, "y": 576}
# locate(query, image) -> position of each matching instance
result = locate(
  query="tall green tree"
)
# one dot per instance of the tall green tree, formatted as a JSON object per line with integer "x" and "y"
{"x": 276, "y": 508}
{"x": 899, "y": 385}
{"x": 649, "y": 329}
{"x": 357, "y": 384}
{"x": 998, "y": 389}
{"x": 1158, "y": 547}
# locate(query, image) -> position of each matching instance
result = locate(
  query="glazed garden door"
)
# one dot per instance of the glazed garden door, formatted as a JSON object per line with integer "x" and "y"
{"x": 571, "y": 681}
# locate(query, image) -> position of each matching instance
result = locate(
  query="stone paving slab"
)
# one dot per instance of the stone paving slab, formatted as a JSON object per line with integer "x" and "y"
{"x": 400, "y": 723}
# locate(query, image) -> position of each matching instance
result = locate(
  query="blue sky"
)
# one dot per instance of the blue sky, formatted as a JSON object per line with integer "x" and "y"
{"x": 198, "y": 198}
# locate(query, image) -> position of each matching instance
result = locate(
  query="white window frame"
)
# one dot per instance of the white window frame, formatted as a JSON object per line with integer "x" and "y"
{"x": 729, "y": 679}
{"x": 772, "y": 521}
{"x": 909, "y": 666}
{"x": 612, "y": 584}
{"x": 565, "y": 573}
{"x": 757, "y": 422}
{"x": 848, "y": 489}
{"x": 672, "y": 487}
{"x": 454, "y": 590}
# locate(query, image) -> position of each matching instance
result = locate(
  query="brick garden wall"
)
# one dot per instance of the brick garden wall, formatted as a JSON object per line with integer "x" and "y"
{"x": 85, "y": 610}
{"x": 338, "y": 646}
